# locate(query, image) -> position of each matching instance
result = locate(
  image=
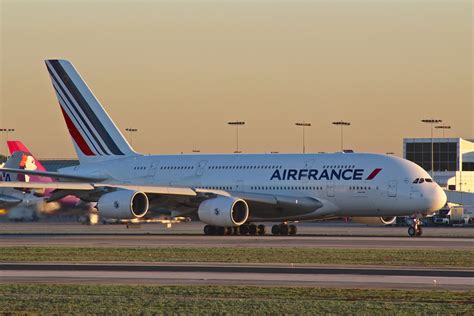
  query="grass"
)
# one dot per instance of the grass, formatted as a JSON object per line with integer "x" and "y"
{"x": 127, "y": 299}
{"x": 396, "y": 257}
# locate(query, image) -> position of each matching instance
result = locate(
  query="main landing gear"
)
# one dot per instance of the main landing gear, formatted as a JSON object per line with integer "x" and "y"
{"x": 282, "y": 229}
{"x": 245, "y": 229}
{"x": 415, "y": 229}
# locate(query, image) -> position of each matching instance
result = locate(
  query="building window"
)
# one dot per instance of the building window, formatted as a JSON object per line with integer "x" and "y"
{"x": 444, "y": 155}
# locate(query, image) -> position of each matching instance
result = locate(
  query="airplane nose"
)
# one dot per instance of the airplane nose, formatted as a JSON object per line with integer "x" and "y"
{"x": 436, "y": 199}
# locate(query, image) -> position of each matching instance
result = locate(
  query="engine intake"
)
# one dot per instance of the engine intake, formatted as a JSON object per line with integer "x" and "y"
{"x": 123, "y": 204}
{"x": 385, "y": 220}
{"x": 224, "y": 211}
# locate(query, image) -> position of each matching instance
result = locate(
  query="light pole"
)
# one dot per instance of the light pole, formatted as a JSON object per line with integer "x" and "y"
{"x": 303, "y": 125}
{"x": 431, "y": 122}
{"x": 443, "y": 128}
{"x": 342, "y": 124}
{"x": 237, "y": 124}
{"x": 131, "y": 131}
{"x": 6, "y": 131}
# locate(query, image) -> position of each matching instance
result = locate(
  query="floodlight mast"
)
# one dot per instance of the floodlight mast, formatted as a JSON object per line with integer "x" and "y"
{"x": 131, "y": 130}
{"x": 303, "y": 125}
{"x": 237, "y": 124}
{"x": 431, "y": 122}
{"x": 342, "y": 124}
{"x": 6, "y": 131}
{"x": 443, "y": 128}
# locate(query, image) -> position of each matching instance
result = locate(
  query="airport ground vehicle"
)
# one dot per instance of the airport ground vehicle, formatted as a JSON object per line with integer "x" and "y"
{"x": 228, "y": 192}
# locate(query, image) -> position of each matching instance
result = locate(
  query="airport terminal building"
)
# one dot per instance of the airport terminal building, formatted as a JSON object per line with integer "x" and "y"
{"x": 453, "y": 160}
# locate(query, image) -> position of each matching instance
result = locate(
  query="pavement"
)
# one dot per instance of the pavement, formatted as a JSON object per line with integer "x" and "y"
{"x": 238, "y": 274}
{"x": 134, "y": 240}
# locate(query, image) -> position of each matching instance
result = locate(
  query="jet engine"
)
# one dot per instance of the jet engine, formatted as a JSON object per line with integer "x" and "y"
{"x": 223, "y": 211}
{"x": 123, "y": 204}
{"x": 374, "y": 221}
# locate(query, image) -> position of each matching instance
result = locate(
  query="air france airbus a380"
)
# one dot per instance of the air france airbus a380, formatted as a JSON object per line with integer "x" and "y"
{"x": 230, "y": 193}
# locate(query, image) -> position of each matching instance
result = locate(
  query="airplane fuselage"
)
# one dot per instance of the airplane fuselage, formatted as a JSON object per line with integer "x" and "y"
{"x": 347, "y": 184}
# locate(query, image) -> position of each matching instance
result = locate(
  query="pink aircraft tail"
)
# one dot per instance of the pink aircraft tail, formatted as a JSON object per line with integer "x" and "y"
{"x": 28, "y": 161}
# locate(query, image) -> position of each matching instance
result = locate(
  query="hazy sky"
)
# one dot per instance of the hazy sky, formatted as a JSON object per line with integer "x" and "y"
{"x": 179, "y": 70}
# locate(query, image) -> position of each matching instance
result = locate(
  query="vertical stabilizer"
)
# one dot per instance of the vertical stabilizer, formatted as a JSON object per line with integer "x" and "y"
{"x": 94, "y": 134}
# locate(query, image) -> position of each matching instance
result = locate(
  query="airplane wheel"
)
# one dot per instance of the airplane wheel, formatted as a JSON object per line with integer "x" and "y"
{"x": 292, "y": 230}
{"x": 236, "y": 230}
{"x": 283, "y": 229}
{"x": 220, "y": 230}
{"x": 419, "y": 231}
{"x": 209, "y": 230}
{"x": 276, "y": 229}
{"x": 411, "y": 231}
{"x": 261, "y": 230}
{"x": 252, "y": 229}
{"x": 244, "y": 229}
{"x": 228, "y": 230}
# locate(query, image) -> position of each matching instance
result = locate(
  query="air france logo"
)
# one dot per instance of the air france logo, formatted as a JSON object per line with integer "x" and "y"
{"x": 325, "y": 174}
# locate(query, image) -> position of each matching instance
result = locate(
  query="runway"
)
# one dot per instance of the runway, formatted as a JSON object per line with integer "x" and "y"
{"x": 102, "y": 240}
{"x": 238, "y": 274}
{"x": 314, "y": 235}
{"x": 312, "y": 229}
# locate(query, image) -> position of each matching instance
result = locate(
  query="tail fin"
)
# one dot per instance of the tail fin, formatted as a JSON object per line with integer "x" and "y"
{"x": 16, "y": 145}
{"x": 27, "y": 162}
{"x": 94, "y": 134}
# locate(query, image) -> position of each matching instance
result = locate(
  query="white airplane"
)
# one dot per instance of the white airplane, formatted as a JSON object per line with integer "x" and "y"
{"x": 230, "y": 193}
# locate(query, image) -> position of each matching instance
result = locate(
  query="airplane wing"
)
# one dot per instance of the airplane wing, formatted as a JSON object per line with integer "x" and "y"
{"x": 7, "y": 201}
{"x": 186, "y": 199}
{"x": 56, "y": 175}
{"x": 81, "y": 186}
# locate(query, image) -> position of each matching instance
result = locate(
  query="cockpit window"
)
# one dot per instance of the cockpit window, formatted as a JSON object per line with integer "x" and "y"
{"x": 421, "y": 180}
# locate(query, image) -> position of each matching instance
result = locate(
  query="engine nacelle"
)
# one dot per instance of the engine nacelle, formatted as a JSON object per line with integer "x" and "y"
{"x": 386, "y": 220}
{"x": 123, "y": 204}
{"x": 223, "y": 211}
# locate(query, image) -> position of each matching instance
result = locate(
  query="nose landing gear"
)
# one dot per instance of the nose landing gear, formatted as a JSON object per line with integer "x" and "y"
{"x": 415, "y": 230}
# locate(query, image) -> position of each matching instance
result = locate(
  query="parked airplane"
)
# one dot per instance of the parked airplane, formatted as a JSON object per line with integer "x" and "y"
{"x": 230, "y": 193}
{"x": 29, "y": 162}
{"x": 18, "y": 204}
{"x": 8, "y": 196}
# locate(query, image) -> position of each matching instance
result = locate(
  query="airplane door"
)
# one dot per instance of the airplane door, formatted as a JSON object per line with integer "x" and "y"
{"x": 239, "y": 186}
{"x": 200, "y": 167}
{"x": 392, "y": 188}
{"x": 330, "y": 189}
{"x": 152, "y": 168}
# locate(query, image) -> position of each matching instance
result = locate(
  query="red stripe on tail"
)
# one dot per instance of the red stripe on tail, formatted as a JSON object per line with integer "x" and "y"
{"x": 76, "y": 135}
